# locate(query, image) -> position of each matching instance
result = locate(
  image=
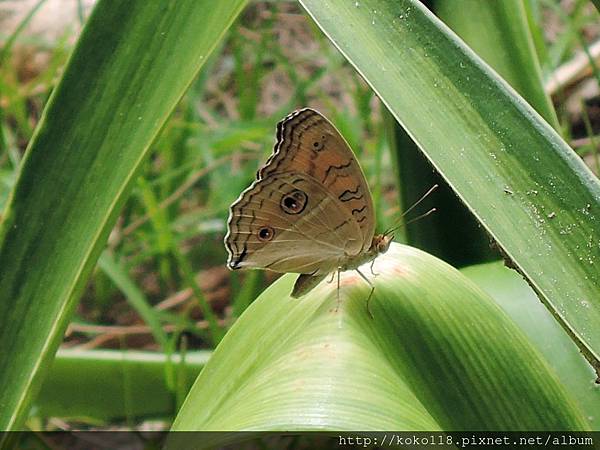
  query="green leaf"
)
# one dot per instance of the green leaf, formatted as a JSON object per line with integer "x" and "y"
{"x": 136, "y": 298}
{"x": 435, "y": 357}
{"x": 133, "y": 62}
{"x": 109, "y": 384}
{"x": 521, "y": 304}
{"x": 94, "y": 384}
{"x": 499, "y": 33}
{"x": 524, "y": 184}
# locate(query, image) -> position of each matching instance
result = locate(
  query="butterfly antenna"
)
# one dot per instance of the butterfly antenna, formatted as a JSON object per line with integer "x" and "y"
{"x": 423, "y": 197}
{"x": 422, "y": 216}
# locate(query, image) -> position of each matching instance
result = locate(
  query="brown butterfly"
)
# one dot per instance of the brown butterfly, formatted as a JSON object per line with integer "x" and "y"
{"x": 309, "y": 211}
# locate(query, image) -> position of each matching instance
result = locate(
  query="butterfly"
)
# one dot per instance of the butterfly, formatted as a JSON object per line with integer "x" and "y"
{"x": 309, "y": 211}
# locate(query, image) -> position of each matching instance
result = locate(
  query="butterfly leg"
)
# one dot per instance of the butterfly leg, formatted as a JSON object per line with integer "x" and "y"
{"x": 331, "y": 279}
{"x": 370, "y": 293}
{"x": 371, "y": 267}
{"x": 338, "y": 289}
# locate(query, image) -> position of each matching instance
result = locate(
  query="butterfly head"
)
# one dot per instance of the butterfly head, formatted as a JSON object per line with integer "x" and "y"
{"x": 381, "y": 242}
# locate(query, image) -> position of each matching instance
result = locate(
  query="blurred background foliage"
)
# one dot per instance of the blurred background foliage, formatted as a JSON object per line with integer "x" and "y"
{"x": 166, "y": 254}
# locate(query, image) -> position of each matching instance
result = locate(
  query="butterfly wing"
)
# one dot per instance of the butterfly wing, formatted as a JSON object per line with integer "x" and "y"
{"x": 289, "y": 222}
{"x": 308, "y": 143}
{"x": 310, "y": 208}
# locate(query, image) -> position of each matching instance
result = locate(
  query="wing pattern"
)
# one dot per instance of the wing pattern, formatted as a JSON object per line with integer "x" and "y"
{"x": 310, "y": 206}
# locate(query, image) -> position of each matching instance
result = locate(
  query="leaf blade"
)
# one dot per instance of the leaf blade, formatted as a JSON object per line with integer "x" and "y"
{"x": 433, "y": 358}
{"x": 524, "y": 184}
{"x": 132, "y": 63}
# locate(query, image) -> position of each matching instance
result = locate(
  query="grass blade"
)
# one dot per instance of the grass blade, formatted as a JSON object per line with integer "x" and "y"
{"x": 133, "y": 62}
{"x": 118, "y": 275}
{"x": 524, "y": 184}
{"x": 92, "y": 384}
{"x": 499, "y": 33}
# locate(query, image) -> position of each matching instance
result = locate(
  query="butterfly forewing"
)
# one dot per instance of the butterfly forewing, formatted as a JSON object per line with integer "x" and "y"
{"x": 308, "y": 143}
{"x": 310, "y": 207}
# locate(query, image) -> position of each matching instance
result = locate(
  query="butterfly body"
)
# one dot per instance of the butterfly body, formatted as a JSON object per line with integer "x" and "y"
{"x": 310, "y": 209}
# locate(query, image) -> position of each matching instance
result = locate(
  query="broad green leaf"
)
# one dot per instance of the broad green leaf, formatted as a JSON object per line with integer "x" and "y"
{"x": 518, "y": 300}
{"x": 498, "y": 32}
{"x": 95, "y": 384}
{"x": 524, "y": 184}
{"x": 435, "y": 356}
{"x": 133, "y": 62}
{"x": 110, "y": 384}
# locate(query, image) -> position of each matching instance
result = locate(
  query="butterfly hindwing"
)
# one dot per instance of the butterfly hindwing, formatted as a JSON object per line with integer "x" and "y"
{"x": 289, "y": 222}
